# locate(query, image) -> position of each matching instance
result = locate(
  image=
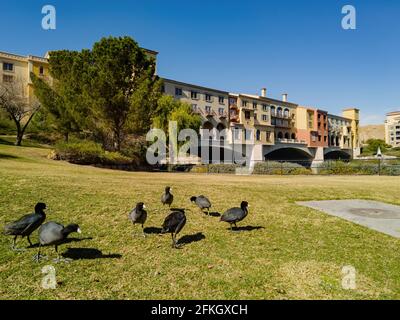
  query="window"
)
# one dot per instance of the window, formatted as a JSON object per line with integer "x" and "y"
{"x": 248, "y": 134}
{"x": 7, "y": 78}
{"x": 286, "y": 113}
{"x": 194, "y": 107}
{"x": 208, "y": 109}
{"x": 254, "y": 105}
{"x": 273, "y": 111}
{"x": 208, "y": 97}
{"x": 258, "y": 135}
{"x": 264, "y": 117}
{"x": 265, "y": 107}
{"x": 221, "y": 100}
{"x": 194, "y": 95}
{"x": 8, "y": 66}
{"x": 237, "y": 133}
{"x": 221, "y": 111}
{"x": 244, "y": 103}
{"x": 319, "y": 138}
{"x": 41, "y": 70}
{"x": 255, "y": 116}
{"x": 325, "y": 137}
{"x": 178, "y": 91}
{"x": 313, "y": 138}
{"x": 268, "y": 135}
{"x": 247, "y": 115}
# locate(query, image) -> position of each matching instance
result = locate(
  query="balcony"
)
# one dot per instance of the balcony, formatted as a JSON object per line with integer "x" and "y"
{"x": 282, "y": 115}
{"x": 209, "y": 113}
{"x": 222, "y": 115}
{"x": 290, "y": 141}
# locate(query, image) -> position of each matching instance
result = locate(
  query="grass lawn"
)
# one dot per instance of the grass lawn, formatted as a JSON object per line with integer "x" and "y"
{"x": 291, "y": 252}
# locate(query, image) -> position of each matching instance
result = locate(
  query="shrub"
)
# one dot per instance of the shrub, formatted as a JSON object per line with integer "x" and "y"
{"x": 91, "y": 153}
{"x": 277, "y": 168}
{"x": 222, "y": 168}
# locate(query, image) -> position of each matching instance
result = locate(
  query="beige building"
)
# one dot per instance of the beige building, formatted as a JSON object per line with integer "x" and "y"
{"x": 210, "y": 104}
{"x": 251, "y": 114}
{"x": 392, "y": 129}
{"x": 16, "y": 69}
{"x": 354, "y": 115}
{"x": 340, "y": 132}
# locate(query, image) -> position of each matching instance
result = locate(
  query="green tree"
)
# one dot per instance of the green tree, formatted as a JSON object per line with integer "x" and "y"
{"x": 58, "y": 106}
{"x": 169, "y": 109}
{"x": 373, "y": 145}
{"x": 121, "y": 88}
{"x": 110, "y": 90}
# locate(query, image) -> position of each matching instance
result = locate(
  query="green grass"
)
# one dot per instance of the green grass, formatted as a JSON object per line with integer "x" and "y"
{"x": 298, "y": 254}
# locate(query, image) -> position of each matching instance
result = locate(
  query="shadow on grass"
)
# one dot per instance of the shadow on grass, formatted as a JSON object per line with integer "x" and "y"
{"x": 7, "y": 156}
{"x": 247, "y": 228}
{"x": 6, "y": 142}
{"x": 88, "y": 253}
{"x": 215, "y": 214}
{"x": 152, "y": 230}
{"x": 68, "y": 240}
{"x": 191, "y": 238}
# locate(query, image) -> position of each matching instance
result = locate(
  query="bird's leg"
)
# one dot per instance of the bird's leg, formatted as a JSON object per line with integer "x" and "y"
{"x": 30, "y": 242}
{"x": 176, "y": 246}
{"x": 144, "y": 234}
{"x": 59, "y": 259}
{"x": 208, "y": 211}
{"x": 14, "y": 245}
{"x": 173, "y": 240}
{"x": 37, "y": 257}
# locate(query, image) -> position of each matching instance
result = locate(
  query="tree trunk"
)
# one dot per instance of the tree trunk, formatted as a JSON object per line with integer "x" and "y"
{"x": 66, "y": 137}
{"x": 20, "y": 134}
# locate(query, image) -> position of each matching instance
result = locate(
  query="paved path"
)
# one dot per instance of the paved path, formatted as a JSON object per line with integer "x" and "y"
{"x": 375, "y": 215}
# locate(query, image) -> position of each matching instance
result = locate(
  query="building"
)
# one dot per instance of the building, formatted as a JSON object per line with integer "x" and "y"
{"x": 17, "y": 69}
{"x": 312, "y": 126}
{"x": 277, "y": 129}
{"x": 339, "y": 132}
{"x": 210, "y": 104}
{"x": 392, "y": 129}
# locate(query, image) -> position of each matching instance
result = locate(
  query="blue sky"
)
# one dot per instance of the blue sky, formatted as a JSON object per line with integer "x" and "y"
{"x": 289, "y": 46}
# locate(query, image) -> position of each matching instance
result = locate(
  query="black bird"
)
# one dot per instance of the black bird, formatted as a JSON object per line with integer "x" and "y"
{"x": 167, "y": 197}
{"x": 27, "y": 224}
{"x": 173, "y": 224}
{"x": 234, "y": 215}
{"x": 202, "y": 202}
{"x": 138, "y": 215}
{"x": 54, "y": 234}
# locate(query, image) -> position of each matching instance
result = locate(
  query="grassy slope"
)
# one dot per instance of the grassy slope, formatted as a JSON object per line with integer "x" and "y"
{"x": 298, "y": 254}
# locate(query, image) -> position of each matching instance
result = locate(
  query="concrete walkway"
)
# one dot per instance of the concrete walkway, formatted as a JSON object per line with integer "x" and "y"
{"x": 375, "y": 215}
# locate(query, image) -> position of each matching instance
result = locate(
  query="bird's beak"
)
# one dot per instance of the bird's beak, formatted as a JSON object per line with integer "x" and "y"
{"x": 79, "y": 230}
{"x": 144, "y": 206}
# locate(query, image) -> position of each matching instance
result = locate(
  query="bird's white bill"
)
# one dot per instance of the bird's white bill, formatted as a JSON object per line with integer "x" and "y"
{"x": 79, "y": 230}
{"x": 144, "y": 206}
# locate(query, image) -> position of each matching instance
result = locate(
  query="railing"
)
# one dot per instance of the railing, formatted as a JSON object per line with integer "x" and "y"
{"x": 382, "y": 167}
{"x": 293, "y": 141}
{"x": 281, "y": 115}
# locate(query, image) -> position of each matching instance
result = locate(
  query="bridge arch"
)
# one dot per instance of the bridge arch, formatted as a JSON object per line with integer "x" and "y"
{"x": 337, "y": 155}
{"x": 289, "y": 154}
